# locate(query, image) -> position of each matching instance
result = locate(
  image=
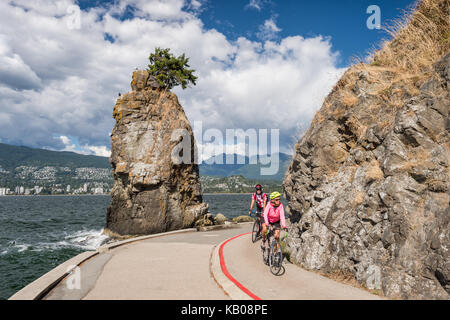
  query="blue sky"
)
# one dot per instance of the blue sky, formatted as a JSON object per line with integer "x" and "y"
{"x": 261, "y": 63}
{"x": 343, "y": 20}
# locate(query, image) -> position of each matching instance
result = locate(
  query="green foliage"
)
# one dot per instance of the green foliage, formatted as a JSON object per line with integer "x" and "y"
{"x": 170, "y": 71}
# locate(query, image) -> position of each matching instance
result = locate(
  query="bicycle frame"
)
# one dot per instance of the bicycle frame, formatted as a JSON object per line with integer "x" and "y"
{"x": 258, "y": 223}
{"x": 268, "y": 253}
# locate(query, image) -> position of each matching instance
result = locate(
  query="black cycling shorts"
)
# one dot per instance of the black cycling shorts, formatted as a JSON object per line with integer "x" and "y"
{"x": 259, "y": 212}
{"x": 276, "y": 225}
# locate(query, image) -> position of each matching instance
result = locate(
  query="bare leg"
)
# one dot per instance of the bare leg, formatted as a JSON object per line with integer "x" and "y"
{"x": 277, "y": 236}
{"x": 264, "y": 231}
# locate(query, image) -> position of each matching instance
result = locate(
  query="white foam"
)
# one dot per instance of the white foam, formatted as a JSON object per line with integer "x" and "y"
{"x": 84, "y": 239}
{"x": 21, "y": 247}
{"x": 87, "y": 239}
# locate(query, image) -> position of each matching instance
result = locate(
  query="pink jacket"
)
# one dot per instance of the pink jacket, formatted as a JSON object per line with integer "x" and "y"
{"x": 274, "y": 214}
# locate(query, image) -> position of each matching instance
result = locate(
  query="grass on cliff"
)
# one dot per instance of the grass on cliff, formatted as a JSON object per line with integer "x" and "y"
{"x": 399, "y": 66}
{"x": 419, "y": 38}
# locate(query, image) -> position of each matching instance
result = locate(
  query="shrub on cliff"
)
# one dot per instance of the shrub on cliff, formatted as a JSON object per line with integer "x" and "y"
{"x": 170, "y": 71}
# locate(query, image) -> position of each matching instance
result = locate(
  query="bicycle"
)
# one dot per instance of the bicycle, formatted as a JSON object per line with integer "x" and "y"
{"x": 257, "y": 228}
{"x": 272, "y": 255}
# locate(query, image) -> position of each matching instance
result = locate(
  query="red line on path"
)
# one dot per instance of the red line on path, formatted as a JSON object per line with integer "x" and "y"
{"x": 229, "y": 276}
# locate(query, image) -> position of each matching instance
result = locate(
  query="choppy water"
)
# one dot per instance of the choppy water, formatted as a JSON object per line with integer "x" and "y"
{"x": 38, "y": 233}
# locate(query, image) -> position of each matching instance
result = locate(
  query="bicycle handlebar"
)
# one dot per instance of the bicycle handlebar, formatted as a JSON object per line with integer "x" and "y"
{"x": 284, "y": 237}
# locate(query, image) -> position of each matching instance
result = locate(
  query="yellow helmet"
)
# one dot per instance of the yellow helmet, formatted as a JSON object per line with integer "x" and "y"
{"x": 274, "y": 195}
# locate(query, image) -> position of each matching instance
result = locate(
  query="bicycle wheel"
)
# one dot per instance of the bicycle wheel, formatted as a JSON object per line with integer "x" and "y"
{"x": 256, "y": 231}
{"x": 276, "y": 258}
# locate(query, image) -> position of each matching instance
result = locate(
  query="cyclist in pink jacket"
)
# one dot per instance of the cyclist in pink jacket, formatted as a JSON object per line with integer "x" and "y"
{"x": 273, "y": 217}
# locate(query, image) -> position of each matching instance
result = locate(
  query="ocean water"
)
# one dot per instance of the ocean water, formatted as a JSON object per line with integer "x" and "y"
{"x": 37, "y": 233}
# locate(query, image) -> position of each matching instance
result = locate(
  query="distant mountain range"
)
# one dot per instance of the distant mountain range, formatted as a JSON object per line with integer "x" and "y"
{"x": 52, "y": 171}
{"x": 55, "y": 170}
{"x": 244, "y": 168}
{"x": 236, "y": 184}
{"x": 15, "y": 156}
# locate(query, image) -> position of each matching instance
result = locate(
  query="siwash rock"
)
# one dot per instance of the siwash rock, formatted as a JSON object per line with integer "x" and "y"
{"x": 151, "y": 192}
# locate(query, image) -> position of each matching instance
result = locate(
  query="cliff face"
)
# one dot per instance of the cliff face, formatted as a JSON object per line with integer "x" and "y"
{"x": 368, "y": 187}
{"x": 151, "y": 193}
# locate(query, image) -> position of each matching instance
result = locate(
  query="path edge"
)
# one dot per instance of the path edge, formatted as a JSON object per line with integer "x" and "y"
{"x": 40, "y": 287}
{"x": 228, "y": 286}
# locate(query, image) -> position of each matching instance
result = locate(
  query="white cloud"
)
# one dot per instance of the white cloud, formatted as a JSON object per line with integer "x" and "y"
{"x": 98, "y": 151}
{"x": 66, "y": 142}
{"x": 255, "y": 4}
{"x": 44, "y": 7}
{"x": 101, "y": 151}
{"x": 69, "y": 78}
{"x": 158, "y": 9}
{"x": 269, "y": 30}
{"x": 195, "y": 4}
{"x": 14, "y": 73}
{"x": 270, "y": 85}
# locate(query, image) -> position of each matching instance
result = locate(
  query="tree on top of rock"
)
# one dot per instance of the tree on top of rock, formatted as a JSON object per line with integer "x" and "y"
{"x": 170, "y": 71}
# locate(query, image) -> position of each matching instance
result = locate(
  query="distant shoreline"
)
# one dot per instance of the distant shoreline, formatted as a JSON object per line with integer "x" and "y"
{"x": 53, "y": 195}
{"x": 106, "y": 194}
{"x": 231, "y": 193}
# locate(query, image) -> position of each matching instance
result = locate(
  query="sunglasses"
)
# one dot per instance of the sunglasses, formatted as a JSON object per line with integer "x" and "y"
{"x": 277, "y": 199}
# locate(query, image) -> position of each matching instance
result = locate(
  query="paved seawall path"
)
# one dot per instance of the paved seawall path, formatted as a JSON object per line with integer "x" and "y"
{"x": 187, "y": 265}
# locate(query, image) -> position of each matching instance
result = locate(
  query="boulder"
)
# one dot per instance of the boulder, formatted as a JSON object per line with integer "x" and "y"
{"x": 204, "y": 221}
{"x": 243, "y": 219}
{"x": 220, "y": 219}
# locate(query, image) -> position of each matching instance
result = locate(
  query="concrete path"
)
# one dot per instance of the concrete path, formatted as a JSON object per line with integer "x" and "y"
{"x": 244, "y": 262}
{"x": 168, "y": 267}
{"x": 177, "y": 266}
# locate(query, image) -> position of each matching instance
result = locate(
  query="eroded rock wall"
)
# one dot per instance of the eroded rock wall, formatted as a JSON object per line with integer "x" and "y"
{"x": 368, "y": 187}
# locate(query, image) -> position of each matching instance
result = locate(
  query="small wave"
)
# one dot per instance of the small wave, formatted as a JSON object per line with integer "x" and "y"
{"x": 84, "y": 239}
{"x": 14, "y": 246}
{"x": 21, "y": 247}
{"x": 87, "y": 239}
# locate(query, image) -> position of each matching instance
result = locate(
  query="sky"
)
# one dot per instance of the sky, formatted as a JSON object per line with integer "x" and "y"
{"x": 261, "y": 63}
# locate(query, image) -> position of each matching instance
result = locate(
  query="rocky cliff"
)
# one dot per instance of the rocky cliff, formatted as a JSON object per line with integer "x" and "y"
{"x": 368, "y": 187}
{"x": 151, "y": 193}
